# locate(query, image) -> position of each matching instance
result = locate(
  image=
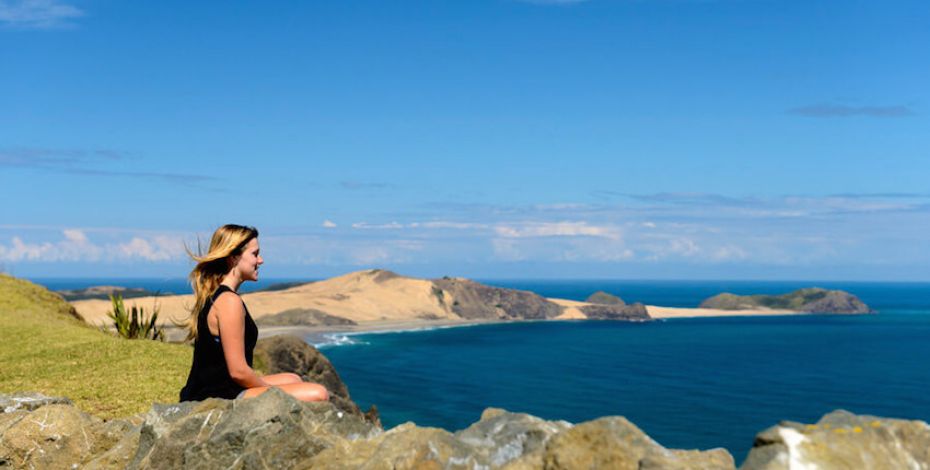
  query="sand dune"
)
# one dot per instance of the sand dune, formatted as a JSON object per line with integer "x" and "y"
{"x": 363, "y": 296}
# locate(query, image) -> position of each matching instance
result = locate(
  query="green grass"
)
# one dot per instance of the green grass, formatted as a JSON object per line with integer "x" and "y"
{"x": 46, "y": 349}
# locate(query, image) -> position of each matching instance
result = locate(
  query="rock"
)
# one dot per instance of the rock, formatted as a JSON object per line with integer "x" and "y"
{"x": 29, "y": 401}
{"x": 51, "y": 436}
{"x": 501, "y": 437}
{"x": 615, "y": 443}
{"x": 472, "y": 300}
{"x": 276, "y": 431}
{"x": 289, "y": 353}
{"x": 603, "y": 298}
{"x": 635, "y": 311}
{"x": 842, "y": 440}
{"x": 303, "y": 317}
{"x": 810, "y": 300}
{"x": 404, "y": 447}
{"x": 273, "y": 430}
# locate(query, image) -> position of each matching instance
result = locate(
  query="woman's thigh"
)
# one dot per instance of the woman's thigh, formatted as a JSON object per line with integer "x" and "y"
{"x": 282, "y": 379}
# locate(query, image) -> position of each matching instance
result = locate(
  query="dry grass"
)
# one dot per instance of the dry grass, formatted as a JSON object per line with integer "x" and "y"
{"x": 45, "y": 349}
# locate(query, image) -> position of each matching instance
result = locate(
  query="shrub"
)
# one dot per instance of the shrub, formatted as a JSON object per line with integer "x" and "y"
{"x": 134, "y": 324}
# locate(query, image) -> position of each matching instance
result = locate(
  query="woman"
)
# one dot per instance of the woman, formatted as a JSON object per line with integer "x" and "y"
{"x": 223, "y": 331}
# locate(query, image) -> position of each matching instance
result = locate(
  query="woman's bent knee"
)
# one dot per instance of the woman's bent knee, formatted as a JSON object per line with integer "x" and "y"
{"x": 314, "y": 392}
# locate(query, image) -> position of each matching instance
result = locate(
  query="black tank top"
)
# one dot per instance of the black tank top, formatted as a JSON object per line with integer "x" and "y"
{"x": 209, "y": 375}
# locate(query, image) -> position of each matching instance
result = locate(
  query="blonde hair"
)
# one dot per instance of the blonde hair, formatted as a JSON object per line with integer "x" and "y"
{"x": 227, "y": 241}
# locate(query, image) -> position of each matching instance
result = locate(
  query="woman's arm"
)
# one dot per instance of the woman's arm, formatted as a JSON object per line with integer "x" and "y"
{"x": 230, "y": 316}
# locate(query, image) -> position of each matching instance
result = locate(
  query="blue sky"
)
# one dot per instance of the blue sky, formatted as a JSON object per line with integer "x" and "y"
{"x": 678, "y": 139}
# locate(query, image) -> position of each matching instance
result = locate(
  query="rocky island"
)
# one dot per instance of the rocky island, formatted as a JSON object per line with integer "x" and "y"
{"x": 104, "y": 293}
{"x": 810, "y": 300}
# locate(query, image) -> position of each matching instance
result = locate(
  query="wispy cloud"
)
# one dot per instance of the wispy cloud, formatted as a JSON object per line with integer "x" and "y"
{"x": 556, "y": 229}
{"x": 828, "y": 110}
{"x": 37, "y": 14}
{"x": 89, "y": 162}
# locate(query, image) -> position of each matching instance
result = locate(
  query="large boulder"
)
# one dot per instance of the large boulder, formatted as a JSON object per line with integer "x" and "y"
{"x": 289, "y": 353}
{"x": 48, "y": 432}
{"x": 615, "y": 443}
{"x": 842, "y": 440}
{"x": 273, "y": 430}
{"x": 496, "y": 440}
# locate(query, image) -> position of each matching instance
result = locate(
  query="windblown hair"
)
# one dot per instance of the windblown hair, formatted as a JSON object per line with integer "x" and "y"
{"x": 227, "y": 241}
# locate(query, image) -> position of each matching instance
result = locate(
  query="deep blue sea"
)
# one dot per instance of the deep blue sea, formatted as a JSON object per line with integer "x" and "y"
{"x": 688, "y": 383}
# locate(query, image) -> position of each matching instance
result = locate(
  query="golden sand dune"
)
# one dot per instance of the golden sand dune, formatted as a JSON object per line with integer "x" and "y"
{"x": 363, "y": 296}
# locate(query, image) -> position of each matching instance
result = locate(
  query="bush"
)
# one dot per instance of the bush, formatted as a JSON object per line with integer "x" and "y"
{"x": 134, "y": 324}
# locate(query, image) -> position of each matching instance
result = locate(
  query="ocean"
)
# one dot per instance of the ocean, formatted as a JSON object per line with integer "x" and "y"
{"x": 688, "y": 383}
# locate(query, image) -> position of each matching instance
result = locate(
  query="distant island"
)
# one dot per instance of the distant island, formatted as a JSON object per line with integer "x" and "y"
{"x": 378, "y": 299}
{"x": 104, "y": 293}
{"x": 809, "y": 300}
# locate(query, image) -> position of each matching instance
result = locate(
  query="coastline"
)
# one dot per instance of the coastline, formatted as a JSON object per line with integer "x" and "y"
{"x": 327, "y": 335}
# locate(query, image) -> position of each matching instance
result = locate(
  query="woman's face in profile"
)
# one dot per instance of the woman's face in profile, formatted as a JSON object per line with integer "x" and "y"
{"x": 249, "y": 261}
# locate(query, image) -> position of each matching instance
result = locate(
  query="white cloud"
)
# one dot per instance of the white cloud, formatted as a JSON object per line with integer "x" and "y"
{"x": 77, "y": 247}
{"x": 436, "y": 224}
{"x": 557, "y": 229}
{"x": 329, "y": 224}
{"x": 160, "y": 248}
{"x": 37, "y": 14}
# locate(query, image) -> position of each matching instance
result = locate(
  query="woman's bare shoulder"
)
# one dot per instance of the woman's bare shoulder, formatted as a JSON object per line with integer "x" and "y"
{"x": 229, "y": 302}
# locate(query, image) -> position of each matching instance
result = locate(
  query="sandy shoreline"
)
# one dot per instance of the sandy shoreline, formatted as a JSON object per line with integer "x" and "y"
{"x": 687, "y": 312}
{"x": 324, "y": 334}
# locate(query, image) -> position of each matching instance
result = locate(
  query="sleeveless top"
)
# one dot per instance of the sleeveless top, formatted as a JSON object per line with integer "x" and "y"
{"x": 209, "y": 375}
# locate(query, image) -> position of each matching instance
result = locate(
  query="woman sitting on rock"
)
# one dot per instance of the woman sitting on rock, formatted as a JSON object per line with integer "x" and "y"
{"x": 224, "y": 333}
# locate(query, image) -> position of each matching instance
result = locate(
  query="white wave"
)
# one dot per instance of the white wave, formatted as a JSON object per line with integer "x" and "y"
{"x": 328, "y": 340}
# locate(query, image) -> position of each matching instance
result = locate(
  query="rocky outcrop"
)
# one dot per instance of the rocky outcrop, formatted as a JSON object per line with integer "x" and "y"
{"x": 634, "y": 312}
{"x": 603, "y": 298}
{"x": 303, "y": 317}
{"x": 276, "y": 431}
{"x": 288, "y": 353}
{"x": 473, "y": 301}
{"x": 810, "y": 300}
{"x": 842, "y": 440}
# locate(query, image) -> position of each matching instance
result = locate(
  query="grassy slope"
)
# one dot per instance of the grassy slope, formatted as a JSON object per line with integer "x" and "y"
{"x": 46, "y": 350}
